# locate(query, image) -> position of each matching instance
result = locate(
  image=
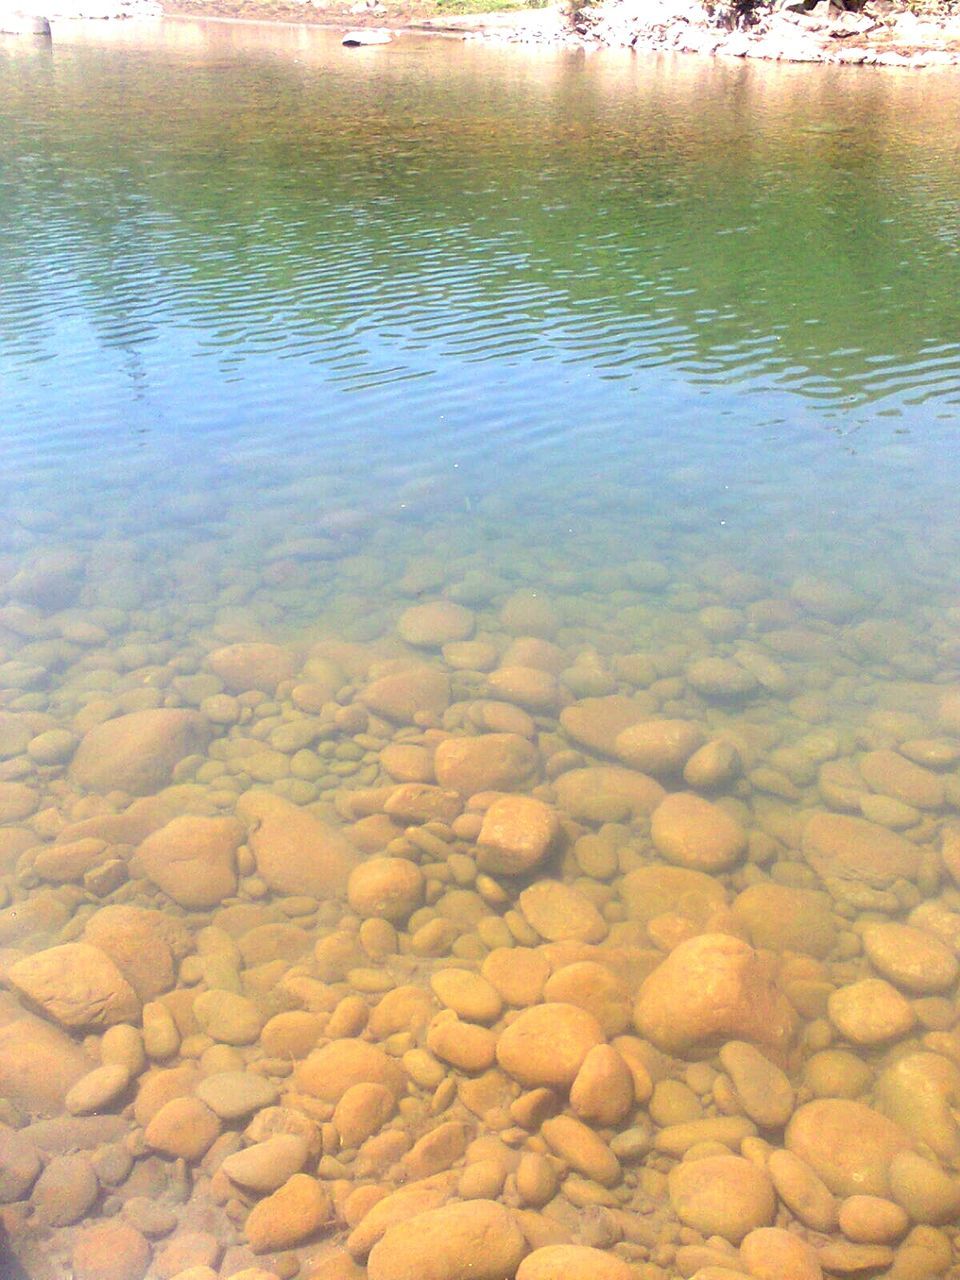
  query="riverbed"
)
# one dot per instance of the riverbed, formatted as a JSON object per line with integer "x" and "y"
{"x": 479, "y": 627}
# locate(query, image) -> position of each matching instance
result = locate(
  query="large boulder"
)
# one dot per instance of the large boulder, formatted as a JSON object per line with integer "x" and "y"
{"x": 416, "y": 695}
{"x": 193, "y": 860}
{"x": 137, "y": 753}
{"x": 490, "y": 762}
{"x": 76, "y": 985}
{"x": 847, "y": 1144}
{"x": 295, "y": 852}
{"x": 710, "y": 989}
{"x": 695, "y": 833}
{"x": 547, "y": 1044}
{"x": 138, "y": 942}
{"x": 39, "y": 1063}
{"x": 474, "y": 1240}
{"x": 252, "y": 665}
{"x": 607, "y": 793}
{"x": 852, "y": 854}
{"x": 596, "y": 723}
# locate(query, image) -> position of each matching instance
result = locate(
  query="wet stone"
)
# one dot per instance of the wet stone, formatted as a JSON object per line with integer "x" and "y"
{"x": 557, "y": 911}
{"x": 726, "y": 1196}
{"x": 111, "y": 1250}
{"x": 65, "y": 1191}
{"x": 915, "y": 961}
{"x": 20, "y": 1165}
{"x": 476, "y": 1240}
{"x": 547, "y": 1044}
{"x": 267, "y": 1165}
{"x": 692, "y": 832}
{"x": 710, "y": 989}
{"x": 76, "y": 985}
{"x": 234, "y": 1094}
{"x": 848, "y": 1145}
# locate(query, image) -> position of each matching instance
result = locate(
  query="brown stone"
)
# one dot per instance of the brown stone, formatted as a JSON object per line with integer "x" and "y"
{"x": 518, "y": 833}
{"x": 921, "y": 1092}
{"x": 65, "y": 1191}
{"x": 193, "y": 860}
{"x": 923, "y": 1190}
{"x": 763, "y": 1089}
{"x": 779, "y": 917}
{"x": 771, "y": 1253}
{"x": 648, "y": 892}
{"x": 713, "y": 988}
{"x": 660, "y": 747}
{"x": 804, "y": 1194}
{"x": 137, "y": 753}
{"x": 558, "y": 911}
{"x": 183, "y": 1127}
{"x": 526, "y": 687}
{"x": 294, "y": 1213}
{"x": 463, "y": 1045}
{"x": 720, "y": 680}
{"x": 547, "y": 1044}
{"x": 694, "y": 833}
{"x": 432, "y": 625}
{"x": 596, "y": 723}
{"x": 726, "y": 1196}
{"x": 910, "y": 958}
{"x": 111, "y": 1250}
{"x": 362, "y": 1111}
{"x": 517, "y": 973}
{"x": 872, "y": 1219}
{"x": 596, "y": 988}
{"x": 468, "y": 994}
{"x": 20, "y": 1164}
{"x": 295, "y": 852}
{"x": 69, "y": 863}
{"x": 405, "y": 696}
{"x": 840, "y": 847}
{"x": 602, "y": 1093}
{"x": 473, "y": 1240}
{"x": 892, "y": 774}
{"x": 577, "y": 1144}
{"x": 76, "y": 985}
{"x": 17, "y": 801}
{"x": 847, "y": 1144}
{"x": 573, "y": 1262}
{"x": 39, "y": 1063}
{"x": 385, "y": 889}
{"x": 490, "y": 762}
{"x": 265, "y": 1166}
{"x": 607, "y": 793}
{"x": 329, "y": 1072}
{"x": 870, "y": 1012}
{"x": 138, "y": 941}
{"x": 436, "y": 1151}
{"x": 406, "y": 762}
{"x": 417, "y": 802}
{"x": 253, "y": 665}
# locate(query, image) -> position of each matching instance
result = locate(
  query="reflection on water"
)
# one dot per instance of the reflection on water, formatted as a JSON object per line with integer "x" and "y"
{"x": 388, "y": 431}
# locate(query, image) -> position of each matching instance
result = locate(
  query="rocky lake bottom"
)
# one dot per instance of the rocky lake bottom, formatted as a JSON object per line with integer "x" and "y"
{"x": 415, "y": 905}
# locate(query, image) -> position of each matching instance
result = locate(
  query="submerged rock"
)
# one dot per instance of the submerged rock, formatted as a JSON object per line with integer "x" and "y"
{"x": 76, "y": 985}
{"x": 295, "y": 852}
{"x": 137, "y": 753}
{"x": 713, "y": 988}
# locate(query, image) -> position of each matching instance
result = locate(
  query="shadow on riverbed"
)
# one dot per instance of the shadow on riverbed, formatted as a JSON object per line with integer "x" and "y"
{"x": 10, "y": 1265}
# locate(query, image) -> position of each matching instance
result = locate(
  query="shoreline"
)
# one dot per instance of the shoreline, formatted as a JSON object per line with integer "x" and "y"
{"x": 878, "y": 35}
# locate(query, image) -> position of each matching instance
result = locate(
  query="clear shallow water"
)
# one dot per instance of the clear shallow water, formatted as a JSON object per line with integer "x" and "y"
{"x": 293, "y": 338}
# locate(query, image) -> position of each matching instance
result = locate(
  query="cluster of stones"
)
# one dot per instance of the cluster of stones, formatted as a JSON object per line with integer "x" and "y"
{"x": 474, "y": 953}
